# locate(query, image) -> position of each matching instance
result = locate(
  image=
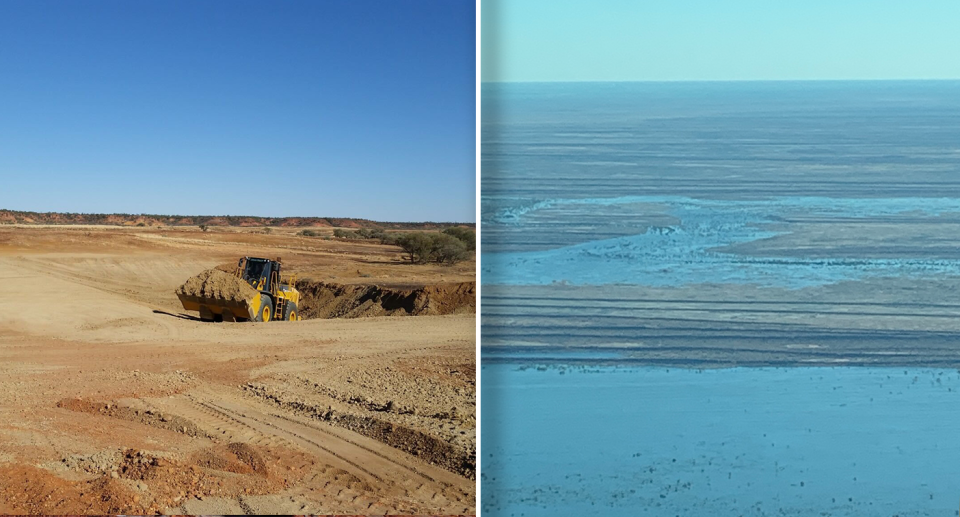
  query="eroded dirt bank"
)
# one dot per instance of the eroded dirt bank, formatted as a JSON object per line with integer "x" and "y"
{"x": 332, "y": 300}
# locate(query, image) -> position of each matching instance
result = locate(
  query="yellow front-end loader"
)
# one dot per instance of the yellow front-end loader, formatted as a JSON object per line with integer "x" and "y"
{"x": 276, "y": 298}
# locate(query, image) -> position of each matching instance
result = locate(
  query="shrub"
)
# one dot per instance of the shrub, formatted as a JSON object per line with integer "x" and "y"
{"x": 389, "y": 238}
{"x": 418, "y": 246}
{"x": 308, "y": 233}
{"x": 467, "y": 236}
{"x": 423, "y": 247}
{"x": 203, "y": 227}
{"x": 376, "y": 233}
{"x": 446, "y": 248}
{"x": 362, "y": 233}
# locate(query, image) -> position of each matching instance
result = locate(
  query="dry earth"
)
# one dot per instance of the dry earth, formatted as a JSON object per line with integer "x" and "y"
{"x": 112, "y": 400}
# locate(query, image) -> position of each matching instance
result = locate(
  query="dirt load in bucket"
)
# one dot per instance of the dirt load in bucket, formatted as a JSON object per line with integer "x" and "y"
{"x": 215, "y": 283}
{"x": 329, "y": 300}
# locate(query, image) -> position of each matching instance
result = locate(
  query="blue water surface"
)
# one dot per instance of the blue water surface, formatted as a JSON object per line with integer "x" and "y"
{"x": 688, "y": 253}
{"x": 741, "y": 441}
{"x": 726, "y": 161}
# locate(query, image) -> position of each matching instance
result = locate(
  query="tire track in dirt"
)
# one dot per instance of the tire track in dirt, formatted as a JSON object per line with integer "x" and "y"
{"x": 349, "y": 488}
{"x": 352, "y": 462}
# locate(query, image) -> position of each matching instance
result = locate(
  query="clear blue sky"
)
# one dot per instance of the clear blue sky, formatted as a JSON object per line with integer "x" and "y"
{"x": 351, "y": 108}
{"x": 668, "y": 40}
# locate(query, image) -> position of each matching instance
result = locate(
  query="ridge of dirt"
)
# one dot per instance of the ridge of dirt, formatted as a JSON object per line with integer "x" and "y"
{"x": 422, "y": 445}
{"x": 330, "y": 300}
{"x": 216, "y": 283}
{"x": 148, "y": 417}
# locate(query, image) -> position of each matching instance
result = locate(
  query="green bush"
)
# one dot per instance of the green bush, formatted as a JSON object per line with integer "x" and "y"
{"x": 467, "y": 236}
{"x": 389, "y": 238}
{"x": 423, "y": 247}
{"x": 367, "y": 233}
{"x": 362, "y": 233}
{"x": 447, "y": 248}
{"x": 417, "y": 246}
{"x": 308, "y": 233}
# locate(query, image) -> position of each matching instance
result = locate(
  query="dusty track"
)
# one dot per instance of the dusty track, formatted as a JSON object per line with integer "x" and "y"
{"x": 113, "y": 401}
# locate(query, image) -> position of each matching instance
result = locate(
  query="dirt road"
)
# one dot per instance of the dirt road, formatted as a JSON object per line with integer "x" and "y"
{"x": 114, "y": 401}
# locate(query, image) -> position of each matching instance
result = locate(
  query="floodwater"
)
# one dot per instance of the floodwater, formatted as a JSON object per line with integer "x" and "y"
{"x": 686, "y": 183}
{"x": 729, "y": 224}
{"x": 739, "y": 441}
{"x": 691, "y": 249}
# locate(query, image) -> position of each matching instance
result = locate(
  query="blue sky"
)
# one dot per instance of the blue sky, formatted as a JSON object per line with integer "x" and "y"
{"x": 646, "y": 40}
{"x": 352, "y": 108}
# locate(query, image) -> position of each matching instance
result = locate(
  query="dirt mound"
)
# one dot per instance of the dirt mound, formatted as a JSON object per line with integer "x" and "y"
{"x": 249, "y": 456}
{"x": 221, "y": 460}
{"x": 29, "y": 490}
{"x": 216, "y": 283}
{"x": 328, "y": 300}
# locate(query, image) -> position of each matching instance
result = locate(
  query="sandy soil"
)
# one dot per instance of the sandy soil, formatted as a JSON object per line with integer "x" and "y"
{"x": 114, "y": 401}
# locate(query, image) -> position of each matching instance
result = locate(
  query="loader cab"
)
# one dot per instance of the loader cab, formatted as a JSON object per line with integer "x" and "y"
{"x": 257, "y": 270}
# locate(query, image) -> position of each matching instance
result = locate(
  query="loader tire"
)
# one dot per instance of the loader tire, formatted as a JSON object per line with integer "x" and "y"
{"x": 292, "y": 313}
{"x": 266, "y": 310}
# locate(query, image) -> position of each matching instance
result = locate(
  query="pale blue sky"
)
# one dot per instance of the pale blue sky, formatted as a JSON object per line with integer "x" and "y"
{"x": 669, "y": 40}
{"x": 333, "y": 108}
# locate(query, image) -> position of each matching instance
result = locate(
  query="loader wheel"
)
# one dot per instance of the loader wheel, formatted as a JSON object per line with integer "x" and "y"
{"x": 266, "y": 310}
{"x": 292, "y": 314}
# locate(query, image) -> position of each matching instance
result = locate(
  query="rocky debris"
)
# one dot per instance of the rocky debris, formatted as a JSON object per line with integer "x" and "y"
{"x": 96, "y": 463}
{"x": 26, "y": 489}
{"x": 329, "y": 300}
{"x": 219, "y": 284}
{"x": 150, "y": 382}
{"x": 133, "y": 481}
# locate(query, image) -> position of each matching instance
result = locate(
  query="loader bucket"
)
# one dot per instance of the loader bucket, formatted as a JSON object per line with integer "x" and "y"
{"x": 215, "y": 309}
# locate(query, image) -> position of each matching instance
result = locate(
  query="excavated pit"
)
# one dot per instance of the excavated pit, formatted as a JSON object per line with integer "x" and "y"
{"x": 216, "y": 283}
{"x": 329, "y": 300}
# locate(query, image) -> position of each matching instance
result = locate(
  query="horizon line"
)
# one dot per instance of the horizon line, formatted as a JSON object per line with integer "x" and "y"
{"x": 951, "y": 79}
{"x": 130, "y": 214}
